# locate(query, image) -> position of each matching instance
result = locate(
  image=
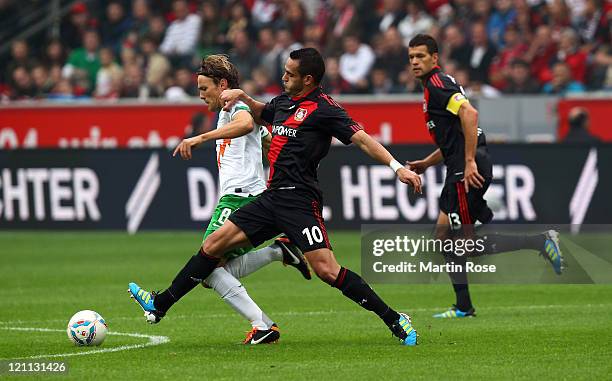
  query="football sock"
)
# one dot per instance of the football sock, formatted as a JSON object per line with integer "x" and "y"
{"x": 236, "y": 296}
{"x": 356, "y": 289}
{"x": 197, "y": 268}
{"x": 460, "y": 283}
{"x": 254, "y": 260}
{"x": 497, "y": 243}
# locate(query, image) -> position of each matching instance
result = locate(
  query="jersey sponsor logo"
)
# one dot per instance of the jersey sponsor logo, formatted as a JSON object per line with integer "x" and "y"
{"x": 284, "y": 131}
{"x": 300, "y": 114}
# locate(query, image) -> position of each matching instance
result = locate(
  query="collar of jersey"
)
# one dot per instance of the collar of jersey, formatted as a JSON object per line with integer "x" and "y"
{"x": 433, "y": 71}
{"x": 305, "y": 95}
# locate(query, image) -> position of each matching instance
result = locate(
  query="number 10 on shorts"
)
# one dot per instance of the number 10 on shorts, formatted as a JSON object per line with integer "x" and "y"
{"x": 313, "y": 233}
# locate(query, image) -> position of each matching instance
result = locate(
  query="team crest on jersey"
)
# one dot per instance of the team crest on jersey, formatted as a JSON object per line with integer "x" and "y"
{"x": 300, "y": 114}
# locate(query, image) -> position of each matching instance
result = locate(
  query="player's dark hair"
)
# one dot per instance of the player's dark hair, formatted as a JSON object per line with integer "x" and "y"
{"x": 424, "y": 39}
{"x": 218, "y": 67}
{"x": 311, "y": 63}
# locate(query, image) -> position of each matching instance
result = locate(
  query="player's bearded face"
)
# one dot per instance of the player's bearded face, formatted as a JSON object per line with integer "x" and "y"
{"x": 293, "y": 82}
{"x": 421, "y": 62}
{"x": 210, "y": 93}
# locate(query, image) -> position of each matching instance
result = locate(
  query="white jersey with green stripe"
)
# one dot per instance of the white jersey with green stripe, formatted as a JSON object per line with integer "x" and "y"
{"x": 239, "y": 159}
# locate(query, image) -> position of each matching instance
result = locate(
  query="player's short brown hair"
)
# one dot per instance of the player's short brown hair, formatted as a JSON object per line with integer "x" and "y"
{"x": 218, "y": 67}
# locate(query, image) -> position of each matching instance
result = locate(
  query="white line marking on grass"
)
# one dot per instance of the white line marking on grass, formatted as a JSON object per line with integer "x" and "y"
{"x": 153, "y": 340}
{"x": 328, "y": 312}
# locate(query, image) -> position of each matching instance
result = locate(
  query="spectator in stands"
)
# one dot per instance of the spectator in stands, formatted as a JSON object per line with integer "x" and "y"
{"x": 22, "y": 86}
{"x": 475, "y": 88}
{"x": 557, "y": 17}
{"x": 213, "y": 30}
{"x": 286, "y": 44}
{"x": 416, "y": 21}
{"x": 393, "y": 56}
{"x": 157, "y": 28}
{"x": 343, "y": 21}
{"x": 333, "y": 83}
{"x": 265, "y": 12}
{"x": 503, "y": 16}
{"x": 109, "y": 76}
{"x": 454, "y": 47}
{"x": 527, "y": 20}
{"x": 570, "y": 53}
{"x": 294, "y": 19}
{"x": 562, "y": 82}
{"x": 73, "y": 28}
{"x": 514, "y": 48}
{"x": 133, "y": 85}
{"x": 356, "y": 62}
{"x": 520, "y": 81}
{"x": 481, "y": 53}
{"x": 116, "y": 26}
{"x": 600, "y": 77}
{"x": 408, "y": 83}
{"x": 265, "y": 87}
{"x": 592, "y": 25}
{"x": 266, "y": 43}
{"x": 83, "y": 63}
{"x": 239, "y": 21}
{"x": 156, "y": 66}
{"x": 380, "y": 83}
{"x": 313, "y": 36}
{"x": 141, "y": 13}
{"x": 42, "y": 80}
{"x": 62, "y": 91}
{"x": 20, "y": 57}
{"x": 54, "y": 54}
{"x": 181, "y": 38}
{"x": 461, "y": 12}
{"x": 183, "y": 87}
{"x": 579, "y": 125}
{"x": 481, "y": 10}
{"x": 542, "y": 48}
{"x": 244, "y": 54}
{"x": 393, "y": 12}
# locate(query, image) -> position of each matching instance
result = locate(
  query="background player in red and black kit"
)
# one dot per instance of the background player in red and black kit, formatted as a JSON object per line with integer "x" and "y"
{"x": 303, "y": 120}
{"x": 453, "y": 124}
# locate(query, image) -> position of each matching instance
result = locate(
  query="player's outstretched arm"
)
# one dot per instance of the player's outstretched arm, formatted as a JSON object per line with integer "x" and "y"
{"x": 231, "y": 96}
{"x": 241, "y": 124}
{"x": 379, "y": 153}
{"x": 469, "y": 123}
{"x": 419, "y": 166}
{"x": 266, "y": 141}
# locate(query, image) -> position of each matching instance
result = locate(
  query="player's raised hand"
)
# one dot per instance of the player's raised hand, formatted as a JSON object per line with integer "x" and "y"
{"x": 471, "y": 176}
{"x": 418, "y": 166}
{"x": 230, "y": 97}
{"x": 184, "y": 147}
{"x": 407, "y": 176}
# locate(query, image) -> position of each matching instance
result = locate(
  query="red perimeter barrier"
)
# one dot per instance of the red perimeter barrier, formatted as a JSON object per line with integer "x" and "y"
{"x": 111, "y": 126}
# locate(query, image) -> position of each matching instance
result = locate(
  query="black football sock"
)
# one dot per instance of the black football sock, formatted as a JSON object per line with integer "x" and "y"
{"x": 356, "y": 289}
{"x": 199, "y": 267}
{"x": 460, "y": 283}
{"x": 498, "y": 243}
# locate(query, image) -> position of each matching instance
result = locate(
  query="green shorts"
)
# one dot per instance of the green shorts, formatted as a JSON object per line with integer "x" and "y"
{"x": 227, "y": 205}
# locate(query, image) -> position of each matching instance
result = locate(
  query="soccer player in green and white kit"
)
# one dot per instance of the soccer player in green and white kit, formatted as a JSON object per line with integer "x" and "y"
{"x": 241, "y": 180}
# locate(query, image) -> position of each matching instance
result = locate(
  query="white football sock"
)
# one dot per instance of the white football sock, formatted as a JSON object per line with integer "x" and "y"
{"x": 234, "y": 294}
{"x": 254, "y": 260}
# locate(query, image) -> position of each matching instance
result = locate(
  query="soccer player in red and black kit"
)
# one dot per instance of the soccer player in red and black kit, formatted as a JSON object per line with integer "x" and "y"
{"x": 453, "y": 124}
{"x": 304, "y": 120}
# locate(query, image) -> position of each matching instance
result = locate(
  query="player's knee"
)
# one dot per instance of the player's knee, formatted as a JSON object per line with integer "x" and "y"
{"x": 213, "y": 245}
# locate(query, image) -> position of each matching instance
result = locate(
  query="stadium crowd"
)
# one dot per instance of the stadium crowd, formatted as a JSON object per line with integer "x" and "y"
{"x": 152, "y": 48}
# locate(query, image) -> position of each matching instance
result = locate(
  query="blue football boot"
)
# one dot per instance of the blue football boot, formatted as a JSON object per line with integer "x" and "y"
{"x": 403, "y": 330}
{"x": 552, "y": 251}
{"x": 454, "y": 312}
{"x": 145, "y": 300}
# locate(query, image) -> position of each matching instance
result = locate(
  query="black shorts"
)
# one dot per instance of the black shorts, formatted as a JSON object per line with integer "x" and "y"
{"x": 291, "y": 211}
{"x": 465, "y": 208}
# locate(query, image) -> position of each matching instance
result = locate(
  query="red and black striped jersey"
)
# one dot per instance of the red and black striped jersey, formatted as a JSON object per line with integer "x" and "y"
{"x": 302, "y": 131}
{"x": 442, "y": 98}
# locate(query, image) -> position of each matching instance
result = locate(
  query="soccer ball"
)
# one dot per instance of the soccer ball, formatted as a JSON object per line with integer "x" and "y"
{"x": 87, "y": 328}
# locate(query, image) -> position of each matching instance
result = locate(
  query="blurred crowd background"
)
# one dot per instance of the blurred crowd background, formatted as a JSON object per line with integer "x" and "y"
{"x": 148, "y": 49}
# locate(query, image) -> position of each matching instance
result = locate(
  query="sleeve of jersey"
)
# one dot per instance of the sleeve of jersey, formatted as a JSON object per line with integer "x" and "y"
{"x": 444, "y": 92}
{"x": 239, "y": 108}
{"x": 267, "y": 114}
{"x": 340, "y": 124}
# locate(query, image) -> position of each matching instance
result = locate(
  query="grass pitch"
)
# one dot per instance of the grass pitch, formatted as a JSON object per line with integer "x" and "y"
{"x": 521, "y": 332}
